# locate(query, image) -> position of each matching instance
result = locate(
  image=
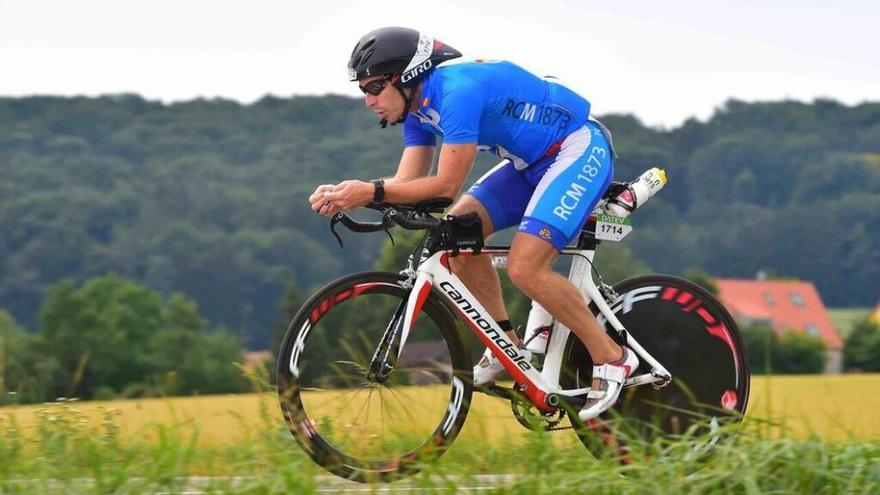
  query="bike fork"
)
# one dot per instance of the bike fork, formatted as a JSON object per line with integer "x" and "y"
{"x": 396, "y": 333}
{"x": 380, "y": 365}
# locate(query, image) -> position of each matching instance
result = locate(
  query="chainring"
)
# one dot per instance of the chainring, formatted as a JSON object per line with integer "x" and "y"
{"x": 527, "y": 414}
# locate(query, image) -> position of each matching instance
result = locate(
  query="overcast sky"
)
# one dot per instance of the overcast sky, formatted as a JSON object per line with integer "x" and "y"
{"x": 662, "y": 61}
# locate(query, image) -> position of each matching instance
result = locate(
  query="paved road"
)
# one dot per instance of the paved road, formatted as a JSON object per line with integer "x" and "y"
{"x": 325, "y": 484}
{"x": 473, "y": 484}
{"x": 332, "y": 484}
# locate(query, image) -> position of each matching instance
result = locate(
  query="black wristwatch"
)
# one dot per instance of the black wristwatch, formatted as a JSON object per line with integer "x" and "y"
{"x": 378, "y": 190}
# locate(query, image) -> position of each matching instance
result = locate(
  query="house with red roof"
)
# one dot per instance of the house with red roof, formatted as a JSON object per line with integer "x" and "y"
{"x": 784, "y": 305}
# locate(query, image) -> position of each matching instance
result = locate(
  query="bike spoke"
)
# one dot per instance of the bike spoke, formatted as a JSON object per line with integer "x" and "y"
{"x": 335, "y": 399}
{"x": 403, "y": 405}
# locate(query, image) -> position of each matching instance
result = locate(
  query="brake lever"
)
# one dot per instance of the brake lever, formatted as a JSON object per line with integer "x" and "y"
{"x": 333, "y": 221}
{"x": 355, "y": 226}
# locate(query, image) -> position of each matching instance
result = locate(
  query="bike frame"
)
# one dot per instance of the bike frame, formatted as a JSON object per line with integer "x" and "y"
{"x": 541, "y": 387}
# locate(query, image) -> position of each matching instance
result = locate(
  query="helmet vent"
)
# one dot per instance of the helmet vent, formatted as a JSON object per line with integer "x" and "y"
{"x": 366, "y": 56}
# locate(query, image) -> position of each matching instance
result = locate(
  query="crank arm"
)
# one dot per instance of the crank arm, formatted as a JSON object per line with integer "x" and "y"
{"x": 500, "y": 392}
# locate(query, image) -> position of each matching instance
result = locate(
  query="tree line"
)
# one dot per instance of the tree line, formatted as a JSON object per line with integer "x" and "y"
{"x": 207, "y": 198}
{"x": 111, "y": 337}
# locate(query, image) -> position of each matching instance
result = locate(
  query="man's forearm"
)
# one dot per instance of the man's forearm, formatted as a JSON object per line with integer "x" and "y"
{"x": 417, "y": 190}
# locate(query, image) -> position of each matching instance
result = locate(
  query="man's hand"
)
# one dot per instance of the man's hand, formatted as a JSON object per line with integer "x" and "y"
{"x": 319, "y": 202}
{"x": 346, "y": 195}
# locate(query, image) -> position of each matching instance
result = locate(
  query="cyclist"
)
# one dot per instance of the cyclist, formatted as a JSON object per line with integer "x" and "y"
{"x": 556, "y": 164}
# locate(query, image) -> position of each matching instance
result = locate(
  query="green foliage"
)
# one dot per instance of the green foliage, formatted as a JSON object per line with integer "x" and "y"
{"x": 759, "y": 341}
{"x": 67, "y": 450}
{"x": 113, "y": 337}
{"x": 845, "y": 319}
{"x": 789, "y": 353}
{"x": 800, "y": 353}
{"x": 19, "y": 363}
{"x": 289, "y": 306}
{"x": 702, "y": 279}
{"x": 861, "y": 350}
{"x": 394, "y": 255}
{"x": 616, "y": 261}
{"x": 208, "y": 197}
{"x": 99, "y": 333}
{"x": 187, "y": 359}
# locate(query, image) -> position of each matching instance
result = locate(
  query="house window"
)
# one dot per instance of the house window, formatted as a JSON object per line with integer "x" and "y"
{"x": 797, "y": 299}
{"x": 812, "y": 329}
{"x": 768, "y": 296}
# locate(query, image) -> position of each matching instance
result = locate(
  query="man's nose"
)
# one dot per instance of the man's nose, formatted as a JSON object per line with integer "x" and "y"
{"x": 370, "y": 100}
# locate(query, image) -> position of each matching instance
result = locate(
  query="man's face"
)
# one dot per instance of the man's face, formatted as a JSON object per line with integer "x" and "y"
{"x": 381, "y": 98}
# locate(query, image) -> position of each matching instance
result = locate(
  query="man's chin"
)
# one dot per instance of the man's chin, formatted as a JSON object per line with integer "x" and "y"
{"x": 389, "y": 116}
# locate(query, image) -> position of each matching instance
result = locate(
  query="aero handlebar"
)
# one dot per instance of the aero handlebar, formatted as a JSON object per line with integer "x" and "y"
{"x": 407, "y": 217}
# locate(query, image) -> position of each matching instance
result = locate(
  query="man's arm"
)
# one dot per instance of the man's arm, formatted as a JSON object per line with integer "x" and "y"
{"x": 456, "y": 161}
{"x": 415, "y": 163}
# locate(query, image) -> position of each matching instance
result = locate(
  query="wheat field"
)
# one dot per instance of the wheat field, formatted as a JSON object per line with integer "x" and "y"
{"x": 836, "y": 407}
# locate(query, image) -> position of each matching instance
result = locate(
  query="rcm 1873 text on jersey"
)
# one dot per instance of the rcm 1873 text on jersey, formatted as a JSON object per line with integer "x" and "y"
{"x": 532, "y": 112}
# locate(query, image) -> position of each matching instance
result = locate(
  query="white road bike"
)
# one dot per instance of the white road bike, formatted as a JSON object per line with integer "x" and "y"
{"x": 375, "y": 375}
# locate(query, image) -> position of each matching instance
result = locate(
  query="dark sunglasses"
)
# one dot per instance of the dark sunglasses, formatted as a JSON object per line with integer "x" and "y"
{"x": 376, "y": 86}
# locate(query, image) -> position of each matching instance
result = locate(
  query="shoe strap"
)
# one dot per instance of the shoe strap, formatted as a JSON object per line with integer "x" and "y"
{"x": 610, "y": 372}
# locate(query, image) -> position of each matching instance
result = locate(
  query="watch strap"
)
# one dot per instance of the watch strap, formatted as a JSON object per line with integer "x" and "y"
{"x": 378, "y": 190}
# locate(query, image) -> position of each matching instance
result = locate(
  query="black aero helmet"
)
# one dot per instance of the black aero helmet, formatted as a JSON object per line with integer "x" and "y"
{"x": 400, "y": 51}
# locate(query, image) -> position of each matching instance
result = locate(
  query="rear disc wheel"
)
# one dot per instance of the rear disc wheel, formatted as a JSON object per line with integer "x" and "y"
{"x": 688, "y": 331}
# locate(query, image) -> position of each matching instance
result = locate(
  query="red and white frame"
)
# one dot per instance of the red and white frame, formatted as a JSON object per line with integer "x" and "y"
{"x": 434, "y": 272}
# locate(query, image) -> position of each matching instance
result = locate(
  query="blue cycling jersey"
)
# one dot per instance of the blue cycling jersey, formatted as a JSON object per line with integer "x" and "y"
{"x": 502, "y": 107}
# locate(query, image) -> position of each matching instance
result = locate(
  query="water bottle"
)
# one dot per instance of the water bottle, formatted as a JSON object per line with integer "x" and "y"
{"x": 538, "y": 329}
{"x": 637, "y": 192}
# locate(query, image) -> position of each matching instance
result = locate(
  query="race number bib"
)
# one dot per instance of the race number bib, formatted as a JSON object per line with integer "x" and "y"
{"x": 610, "y": 228}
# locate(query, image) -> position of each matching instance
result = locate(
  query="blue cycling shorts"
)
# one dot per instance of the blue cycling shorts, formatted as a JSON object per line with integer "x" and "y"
{"x": 552, "y": 198}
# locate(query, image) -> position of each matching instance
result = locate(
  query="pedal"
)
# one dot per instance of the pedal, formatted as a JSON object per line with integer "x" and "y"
{"x": 665, "y": 380}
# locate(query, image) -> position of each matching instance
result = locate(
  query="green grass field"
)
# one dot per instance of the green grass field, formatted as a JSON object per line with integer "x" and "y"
{"x": 822, "y": 437}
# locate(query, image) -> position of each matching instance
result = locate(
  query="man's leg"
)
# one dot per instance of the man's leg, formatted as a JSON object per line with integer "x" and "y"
{"x": 477, "y": 272}
{"x": 500, "y": 198}
{"x": 530, "y": 267}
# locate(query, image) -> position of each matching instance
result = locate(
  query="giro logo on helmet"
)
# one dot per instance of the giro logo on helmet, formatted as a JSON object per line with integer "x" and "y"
{"x": 417, "y": 71}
